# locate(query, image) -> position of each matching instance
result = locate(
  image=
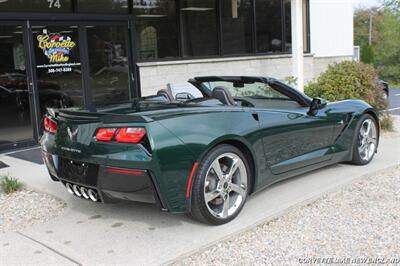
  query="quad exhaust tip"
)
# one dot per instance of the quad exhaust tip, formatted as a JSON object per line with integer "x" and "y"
{"x": 69, "y": 188}
{"x": 76, "y": 190}
{"x": 80, "y": 191}
{"x": 93, "y": 195}
{"x": 84, "y": 192}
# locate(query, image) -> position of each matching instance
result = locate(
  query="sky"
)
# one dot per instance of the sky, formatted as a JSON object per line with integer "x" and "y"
{"x": 366, "y": 3}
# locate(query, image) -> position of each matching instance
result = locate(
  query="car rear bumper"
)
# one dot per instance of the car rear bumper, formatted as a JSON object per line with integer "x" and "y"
{"x": 111, "y": 184}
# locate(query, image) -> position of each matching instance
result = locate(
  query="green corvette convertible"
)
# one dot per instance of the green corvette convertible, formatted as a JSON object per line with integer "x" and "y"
{"x": 205, "y": 150}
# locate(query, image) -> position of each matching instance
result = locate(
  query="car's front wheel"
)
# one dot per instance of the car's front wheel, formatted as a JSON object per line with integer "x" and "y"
{"x": 366, "y": 140}
{"x": 221, "y": 185}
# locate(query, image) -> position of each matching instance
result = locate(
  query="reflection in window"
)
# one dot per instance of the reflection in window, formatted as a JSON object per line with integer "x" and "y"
{"x": 237, "y": 26}
{"x": 199, "y": 27}
{"x": 108, "y": 64}
{"x": 269, "y": 26}
{"x": 148, "y": 42}
{"x": 156, "y": 27}
{"x": 103, "y": 6}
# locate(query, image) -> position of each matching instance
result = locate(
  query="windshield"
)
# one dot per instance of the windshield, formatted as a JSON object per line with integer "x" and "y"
{"x": 252, "y": 90}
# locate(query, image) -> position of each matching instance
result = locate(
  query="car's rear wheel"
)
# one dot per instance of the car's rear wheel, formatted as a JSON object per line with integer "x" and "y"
{"x": 366, "y": 140}
{"x": 221, "y": 185}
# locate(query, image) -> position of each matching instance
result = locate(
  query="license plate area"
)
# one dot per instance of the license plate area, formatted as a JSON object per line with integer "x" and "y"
{"x": 79, "y": 172}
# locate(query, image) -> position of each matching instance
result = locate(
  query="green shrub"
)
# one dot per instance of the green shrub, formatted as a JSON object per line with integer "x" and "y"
{"x": 10, "y": 184}
{"x": 349, "y": 80}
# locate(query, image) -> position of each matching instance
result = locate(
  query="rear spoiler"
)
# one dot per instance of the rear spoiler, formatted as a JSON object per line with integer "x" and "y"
{"x": 84, "y": 116}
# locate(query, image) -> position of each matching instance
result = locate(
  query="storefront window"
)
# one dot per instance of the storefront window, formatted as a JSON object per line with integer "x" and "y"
{"x": 237, "y": 26}
{"x": 108, "y": 60}
{"x": 156, "y": 29}
{"x": 58, "y": 66}
{"x": 269, "y": 26}
{"x": 36, "y": 5}
{"x": 199, "y": 27}
{"x": 103, "y": 6}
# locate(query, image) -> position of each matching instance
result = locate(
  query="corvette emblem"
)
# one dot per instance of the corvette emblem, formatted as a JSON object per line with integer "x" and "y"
{"x": 72, "y": 134}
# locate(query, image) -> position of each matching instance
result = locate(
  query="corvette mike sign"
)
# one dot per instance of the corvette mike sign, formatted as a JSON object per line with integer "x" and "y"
{"x": 57, "y": 48}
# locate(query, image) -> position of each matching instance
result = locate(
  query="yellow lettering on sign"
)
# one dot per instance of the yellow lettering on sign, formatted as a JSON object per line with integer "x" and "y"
{"x": 45, "y": 44}
{"x": 58, "y": 58}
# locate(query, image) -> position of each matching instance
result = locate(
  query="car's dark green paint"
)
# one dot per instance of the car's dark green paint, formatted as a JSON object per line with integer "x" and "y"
{"x": 278, "y": 143}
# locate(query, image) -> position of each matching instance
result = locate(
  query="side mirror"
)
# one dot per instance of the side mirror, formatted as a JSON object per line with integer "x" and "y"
{"x": 316, "y": 104}
{"x": 183, "y": 96}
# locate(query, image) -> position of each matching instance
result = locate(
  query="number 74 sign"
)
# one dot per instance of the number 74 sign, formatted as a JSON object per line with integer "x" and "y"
{"x": 54, "y": 3}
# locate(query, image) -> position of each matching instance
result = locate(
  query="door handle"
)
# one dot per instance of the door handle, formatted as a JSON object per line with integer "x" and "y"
{"x": 30, "y": 86}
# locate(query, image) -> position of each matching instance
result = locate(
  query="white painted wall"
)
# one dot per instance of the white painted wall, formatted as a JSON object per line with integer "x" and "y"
{"x": 331, "y": 27}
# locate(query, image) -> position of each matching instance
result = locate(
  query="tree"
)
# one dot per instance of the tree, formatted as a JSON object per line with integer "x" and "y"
{"x": 367, "y": 54}
{"x": 362, "y": 23}
{"x": 388, "y": 50}
{"x": 384, "y": 51}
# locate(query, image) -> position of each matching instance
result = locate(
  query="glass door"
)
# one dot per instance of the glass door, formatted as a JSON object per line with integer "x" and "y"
{"x": 15, "y": 92}
{"x": 108, "y": 57}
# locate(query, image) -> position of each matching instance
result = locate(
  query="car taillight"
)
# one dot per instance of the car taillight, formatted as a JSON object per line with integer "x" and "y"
{"x": 105, "y": 134}
{"x": 123, "y": 135}
{"x": 50, "y": 125}
{"x": 130, "y": 134}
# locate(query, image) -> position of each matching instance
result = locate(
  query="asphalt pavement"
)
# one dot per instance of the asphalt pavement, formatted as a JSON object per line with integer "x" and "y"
{"x": 394, "y": 101}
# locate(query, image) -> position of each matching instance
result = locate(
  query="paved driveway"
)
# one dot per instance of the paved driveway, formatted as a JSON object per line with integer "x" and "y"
{"x": 132, "y": 233}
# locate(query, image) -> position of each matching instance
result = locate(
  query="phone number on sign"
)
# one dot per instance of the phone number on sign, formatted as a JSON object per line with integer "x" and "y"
{"x": 59, "y": 70}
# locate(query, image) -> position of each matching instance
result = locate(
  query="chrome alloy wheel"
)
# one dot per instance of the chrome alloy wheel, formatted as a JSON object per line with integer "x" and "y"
{"x": 225, "y": 186}
{"x": 367, "y": 140}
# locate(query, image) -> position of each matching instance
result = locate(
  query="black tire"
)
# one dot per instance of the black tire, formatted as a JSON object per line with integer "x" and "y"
{"x": 199, "y": 209}
{"x": 356, "y": 158}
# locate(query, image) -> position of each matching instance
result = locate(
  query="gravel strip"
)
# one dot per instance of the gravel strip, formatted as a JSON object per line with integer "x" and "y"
{"x": 24, "y": 208}
{"x": 359, "y": 220}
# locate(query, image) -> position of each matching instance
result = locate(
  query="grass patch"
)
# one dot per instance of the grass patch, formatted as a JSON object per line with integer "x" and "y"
{"x": 10, "y": 184}
{"x": 387, "y": 123}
